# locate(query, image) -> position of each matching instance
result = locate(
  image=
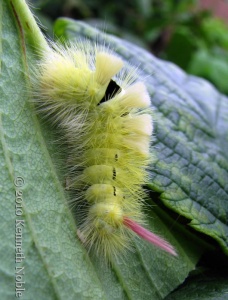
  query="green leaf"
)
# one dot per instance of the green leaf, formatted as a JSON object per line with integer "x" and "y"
{"x": 210, "y": 287}
{"x": 56, "y": 265}
{"x": 182, "y": 37}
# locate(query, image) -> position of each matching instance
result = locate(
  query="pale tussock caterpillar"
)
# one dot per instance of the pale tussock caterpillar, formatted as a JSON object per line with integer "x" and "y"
{"x": 104, "y": 113}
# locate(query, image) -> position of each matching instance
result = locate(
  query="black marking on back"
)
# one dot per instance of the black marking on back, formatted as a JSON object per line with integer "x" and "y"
{"x": 114, "y": 190}
{"x": 114, "y": 174}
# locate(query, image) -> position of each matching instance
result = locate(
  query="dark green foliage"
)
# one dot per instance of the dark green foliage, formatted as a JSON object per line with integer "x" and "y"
{"x": 173, "y": 30}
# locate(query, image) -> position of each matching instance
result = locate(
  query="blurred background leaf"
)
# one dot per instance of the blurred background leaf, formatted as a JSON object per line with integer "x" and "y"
{"x": 174, "y": 30}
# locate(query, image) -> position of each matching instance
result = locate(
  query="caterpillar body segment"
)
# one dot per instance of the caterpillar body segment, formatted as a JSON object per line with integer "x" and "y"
{"x": 109, "y": 133}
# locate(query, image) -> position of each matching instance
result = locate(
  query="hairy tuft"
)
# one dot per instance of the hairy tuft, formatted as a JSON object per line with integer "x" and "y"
{"x": 105, "y": 117}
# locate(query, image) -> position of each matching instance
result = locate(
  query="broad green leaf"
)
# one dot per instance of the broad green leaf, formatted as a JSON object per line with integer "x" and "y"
{"x": 209, "y": 287}
{"x": 191, "y": 137}
{"x": 56, "y": 265}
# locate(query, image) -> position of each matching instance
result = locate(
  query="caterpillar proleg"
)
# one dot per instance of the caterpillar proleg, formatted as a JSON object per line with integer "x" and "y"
{"x": 105, "y": 116}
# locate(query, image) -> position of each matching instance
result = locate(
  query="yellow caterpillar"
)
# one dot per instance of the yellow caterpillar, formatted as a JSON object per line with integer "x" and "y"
{"x": 105, "y": 116}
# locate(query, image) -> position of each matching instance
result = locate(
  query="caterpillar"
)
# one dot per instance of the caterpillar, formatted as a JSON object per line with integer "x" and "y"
{"x": 104, "y": 112}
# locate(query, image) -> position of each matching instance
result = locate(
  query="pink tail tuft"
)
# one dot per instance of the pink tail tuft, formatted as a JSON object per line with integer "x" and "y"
{"x": 149, "y": 236}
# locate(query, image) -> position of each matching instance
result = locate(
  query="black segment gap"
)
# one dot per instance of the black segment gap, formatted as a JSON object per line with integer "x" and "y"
{"x": 112, "y": 89}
